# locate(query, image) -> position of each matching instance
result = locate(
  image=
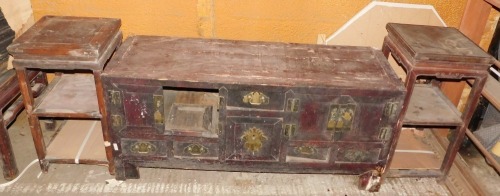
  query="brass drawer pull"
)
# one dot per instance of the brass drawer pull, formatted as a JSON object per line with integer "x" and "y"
{"x": 256, "y": 98}
{"x": 196, "y": 149}
{"x": 143, "y": 148}
{"x": 306, "y": 150}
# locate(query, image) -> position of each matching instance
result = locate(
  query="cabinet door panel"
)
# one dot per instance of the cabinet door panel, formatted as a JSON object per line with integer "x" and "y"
{"x": 143, "y": 105}
{"x": 335, "y": 118}
{"x": 250, "y": 139}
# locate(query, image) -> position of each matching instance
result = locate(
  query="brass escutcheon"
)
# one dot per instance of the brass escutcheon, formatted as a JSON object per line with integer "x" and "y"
{"x": 253, "y": 139}
{"x": 143, "y": 147}
{"x": 256, "y": 98}
{"x": 340, "y": 117}
{"x": 196, "y": 149}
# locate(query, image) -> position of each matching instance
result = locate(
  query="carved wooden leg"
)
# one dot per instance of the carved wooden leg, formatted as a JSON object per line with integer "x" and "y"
{"x": 10, "y": 170}
{"x": 36, "y": 132}
{"x": 370, "y": 181}
{"x": 125, "y": 171}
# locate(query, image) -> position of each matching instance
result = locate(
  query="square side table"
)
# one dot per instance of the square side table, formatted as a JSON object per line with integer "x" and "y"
{"x": 435, "y": 54}
{"x": 68, "y": 46}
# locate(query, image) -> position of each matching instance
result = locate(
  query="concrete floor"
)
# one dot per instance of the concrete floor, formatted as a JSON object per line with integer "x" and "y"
{"x": 71, "y": 179}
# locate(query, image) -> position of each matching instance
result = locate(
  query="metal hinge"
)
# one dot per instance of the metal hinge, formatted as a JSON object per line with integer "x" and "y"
{"x": 115, "y": 97}
{"x": 158, "y": 109}
{"x": 289, "y": 130}
{"x": 116, "y": 121}
{"x": 385, "y": 133}
{"x": 390, "y": 109}
{"x": 292, "y": 105}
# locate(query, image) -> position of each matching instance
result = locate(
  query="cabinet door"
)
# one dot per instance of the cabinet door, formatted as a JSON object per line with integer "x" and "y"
{"x": 142, "y": 106}
{"x": 320, "y": 118}
{"x": 334, "y": 117}
{"x": 252, "y": 138}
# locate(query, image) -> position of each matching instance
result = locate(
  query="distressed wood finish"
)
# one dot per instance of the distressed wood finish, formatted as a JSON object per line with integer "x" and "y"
{"x": 67, "y": 45}
{"x": 437, "y": 54}
{"x": 278, "y": 107}
{"x": 10, "y": 106}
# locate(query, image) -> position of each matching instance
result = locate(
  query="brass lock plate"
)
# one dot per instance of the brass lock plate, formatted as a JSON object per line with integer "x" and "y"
{"x": 253, "y": 139}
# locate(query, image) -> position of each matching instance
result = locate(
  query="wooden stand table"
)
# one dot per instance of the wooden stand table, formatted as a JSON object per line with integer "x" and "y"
{"x": 429, "y": 55}
{"x": 67, "y": 46}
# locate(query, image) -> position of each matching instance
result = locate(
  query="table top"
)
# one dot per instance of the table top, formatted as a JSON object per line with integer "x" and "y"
{"x": 251, "y": 63}
{"x": 82, "y": 41}
{"x": 433, "y": 43}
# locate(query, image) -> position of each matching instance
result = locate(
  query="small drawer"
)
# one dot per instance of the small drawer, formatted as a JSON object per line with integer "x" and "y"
{"x": 256, "y": 100}
{"x": 306, "y": 153}
{"x": 195, "y": 150}
{"x": 143, "y": 147}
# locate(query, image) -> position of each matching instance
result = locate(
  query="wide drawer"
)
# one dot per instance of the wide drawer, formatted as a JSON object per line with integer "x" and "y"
{"x": 307, "y": 153}
{"x": 135, "y": 147}
{"x": 196, "y": 150}
{"x": 357, "y": 153}
{"x": 255, "y": 99}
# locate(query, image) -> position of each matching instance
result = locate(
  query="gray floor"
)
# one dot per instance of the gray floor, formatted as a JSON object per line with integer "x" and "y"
{"x": 70, "y": 179}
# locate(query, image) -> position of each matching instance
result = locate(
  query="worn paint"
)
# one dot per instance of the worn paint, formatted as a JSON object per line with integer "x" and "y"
{"x": 286, "y": 21}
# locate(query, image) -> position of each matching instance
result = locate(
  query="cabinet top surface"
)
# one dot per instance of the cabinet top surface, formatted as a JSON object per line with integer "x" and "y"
{"x": 251, "y": 63}
{"x": 66, "y": 38}
{"x": 435, "y": 43}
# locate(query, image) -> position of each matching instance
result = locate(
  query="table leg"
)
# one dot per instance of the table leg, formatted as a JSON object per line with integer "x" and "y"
{"x": 36, "y": 132}
{"x": 9, "y": 167}
{"x": 104, "y": 122}
{"x": 456, "y": 141}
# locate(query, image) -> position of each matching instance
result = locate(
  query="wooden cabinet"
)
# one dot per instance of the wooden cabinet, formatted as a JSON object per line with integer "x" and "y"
{"x": 250, "y": 106}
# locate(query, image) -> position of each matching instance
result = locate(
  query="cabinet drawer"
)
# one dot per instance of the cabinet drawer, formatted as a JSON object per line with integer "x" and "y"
{"x": 143, "y": 147}
{"x": 196, "y": 150}
{"x": 307, "y": 153}
{"x": 256, "y": 100}
{"x": 357, "y": 153}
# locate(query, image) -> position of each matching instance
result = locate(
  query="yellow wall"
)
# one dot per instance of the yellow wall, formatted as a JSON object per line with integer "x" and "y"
{"x": 268, "y": 20}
